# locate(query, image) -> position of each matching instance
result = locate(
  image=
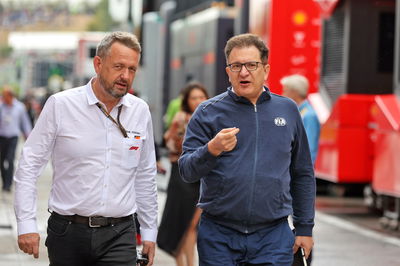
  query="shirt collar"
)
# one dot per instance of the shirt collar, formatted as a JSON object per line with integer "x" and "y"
{"x": 92, "y": 99}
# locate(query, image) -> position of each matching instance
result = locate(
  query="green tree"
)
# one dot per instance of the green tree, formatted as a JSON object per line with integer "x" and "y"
{"x": 102, "y": 20}
{"x": 5, "y": 51}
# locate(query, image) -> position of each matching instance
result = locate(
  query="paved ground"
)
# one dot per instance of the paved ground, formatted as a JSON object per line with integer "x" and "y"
{"x": 337, "y": 242}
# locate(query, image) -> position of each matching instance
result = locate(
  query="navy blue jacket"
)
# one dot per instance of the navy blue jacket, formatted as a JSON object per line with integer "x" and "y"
{"x": 266, "y": 177}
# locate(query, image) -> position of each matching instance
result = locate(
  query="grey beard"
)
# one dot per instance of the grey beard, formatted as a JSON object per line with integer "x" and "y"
{"x": 110, "y": 91}
{"x": 114, "y": 94}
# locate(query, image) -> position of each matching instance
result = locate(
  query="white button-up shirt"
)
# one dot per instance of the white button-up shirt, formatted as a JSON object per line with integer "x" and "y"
{"x": 96, "y": 171}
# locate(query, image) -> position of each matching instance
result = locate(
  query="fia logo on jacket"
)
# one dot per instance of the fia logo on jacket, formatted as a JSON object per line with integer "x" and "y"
{"x": 280, "y": 121}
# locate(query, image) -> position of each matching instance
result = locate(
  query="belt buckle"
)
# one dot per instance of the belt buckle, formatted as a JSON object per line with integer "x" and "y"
{"x": 93, "y": 225}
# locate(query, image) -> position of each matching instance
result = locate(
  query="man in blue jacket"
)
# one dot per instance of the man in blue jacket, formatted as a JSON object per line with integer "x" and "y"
{"x": 250, "y": 151}
{"x": 296, "y": 88}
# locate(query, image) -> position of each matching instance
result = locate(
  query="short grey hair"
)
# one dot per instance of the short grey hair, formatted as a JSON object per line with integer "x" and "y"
{"x": 297, "y": 83}
{"x": 247, "y": 40}
{"x": 125, "y": 38}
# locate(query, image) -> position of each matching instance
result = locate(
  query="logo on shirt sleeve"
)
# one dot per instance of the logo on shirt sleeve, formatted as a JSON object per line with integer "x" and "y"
{"x": 133, "y": 148}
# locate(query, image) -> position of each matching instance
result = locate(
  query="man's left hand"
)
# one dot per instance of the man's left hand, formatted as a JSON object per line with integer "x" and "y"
{"x": 149, "y": 248}
{"x": 305, "y": 242}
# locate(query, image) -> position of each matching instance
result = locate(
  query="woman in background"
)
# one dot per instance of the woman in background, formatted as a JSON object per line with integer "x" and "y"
{"x": 178, "y": 229}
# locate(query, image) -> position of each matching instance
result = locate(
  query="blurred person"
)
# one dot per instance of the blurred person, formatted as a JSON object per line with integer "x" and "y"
{"x": 249, "y": 149}
{"x": 296, "y": 87}
{"x": 14, "y": 121}
{"x": 178, "y": 228}
{"x": 45, "y": 97}
{"x": 101, "y": 143}
{"x": 31, "y": 106}
{"x": 173, "y": 107}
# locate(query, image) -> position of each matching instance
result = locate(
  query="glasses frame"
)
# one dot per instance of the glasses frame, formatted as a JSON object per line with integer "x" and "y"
{"x": 245, "y": 65}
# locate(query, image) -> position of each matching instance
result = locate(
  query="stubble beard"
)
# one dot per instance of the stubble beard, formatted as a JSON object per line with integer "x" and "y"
{"x": 109, "y": 89}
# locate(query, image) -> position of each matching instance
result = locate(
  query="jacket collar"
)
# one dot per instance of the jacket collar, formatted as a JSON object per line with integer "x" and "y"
{"x": 265, "y": 96}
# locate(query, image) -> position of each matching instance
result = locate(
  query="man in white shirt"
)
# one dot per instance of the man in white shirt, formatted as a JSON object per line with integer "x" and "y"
{"x": 101, "y": 143}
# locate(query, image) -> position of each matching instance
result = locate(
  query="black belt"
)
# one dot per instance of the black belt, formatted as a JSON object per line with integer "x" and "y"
{"x": 93, "y": 221}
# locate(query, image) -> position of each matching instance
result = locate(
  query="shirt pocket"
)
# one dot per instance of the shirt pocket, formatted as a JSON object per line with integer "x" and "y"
{"x": 132, "y": 148}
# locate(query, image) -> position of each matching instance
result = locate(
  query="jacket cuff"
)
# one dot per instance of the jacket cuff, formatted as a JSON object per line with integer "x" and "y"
{"x": 304, "y": 230}
{"x": 206, "y": 156}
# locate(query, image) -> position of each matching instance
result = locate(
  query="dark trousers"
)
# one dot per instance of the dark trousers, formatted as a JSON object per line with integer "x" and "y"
{"x": 80, "y": 245}
{"x": 219, "y": 245}
{"x": 7, "y": 156}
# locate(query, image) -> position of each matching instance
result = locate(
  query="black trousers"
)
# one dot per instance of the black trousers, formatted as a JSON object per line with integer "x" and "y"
{"x": 80, "y": 245}
{"x": 7, "y": 156}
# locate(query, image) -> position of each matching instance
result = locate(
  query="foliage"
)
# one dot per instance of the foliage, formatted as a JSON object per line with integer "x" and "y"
{"x": 5, "y": 51}
{"x": 102, "y": 20}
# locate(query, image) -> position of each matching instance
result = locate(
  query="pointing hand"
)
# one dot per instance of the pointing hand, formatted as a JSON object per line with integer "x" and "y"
{"x": 29, "y": 243}
{"x": 224, "y": 141}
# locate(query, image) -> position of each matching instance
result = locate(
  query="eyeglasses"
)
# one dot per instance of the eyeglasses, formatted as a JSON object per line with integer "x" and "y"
{"x": 119, "y": 125}
{"x": 250, "y": 66}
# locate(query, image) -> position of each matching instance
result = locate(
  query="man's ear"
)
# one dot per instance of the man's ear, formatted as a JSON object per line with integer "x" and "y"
{"x": 227, "y": 72}
{"x": 266, "y": 70}
{"x": 97, "y": 63}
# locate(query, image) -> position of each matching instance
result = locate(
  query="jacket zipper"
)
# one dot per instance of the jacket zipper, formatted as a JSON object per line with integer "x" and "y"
{"x": 254, "y": 169}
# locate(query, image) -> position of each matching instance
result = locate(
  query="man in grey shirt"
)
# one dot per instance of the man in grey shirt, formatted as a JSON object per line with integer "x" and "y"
{"x": 14, "y": 120}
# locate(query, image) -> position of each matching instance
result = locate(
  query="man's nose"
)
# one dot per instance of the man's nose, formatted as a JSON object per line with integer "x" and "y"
{"x": 125, "y": 73}
{"x": 244, "y": 71}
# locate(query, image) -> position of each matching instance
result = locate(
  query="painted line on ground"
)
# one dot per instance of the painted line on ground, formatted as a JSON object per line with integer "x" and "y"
{"x": 338, "y": 222}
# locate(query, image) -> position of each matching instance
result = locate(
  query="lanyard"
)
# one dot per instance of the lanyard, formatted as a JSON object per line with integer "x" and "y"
{"x": 119, "y": 125}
